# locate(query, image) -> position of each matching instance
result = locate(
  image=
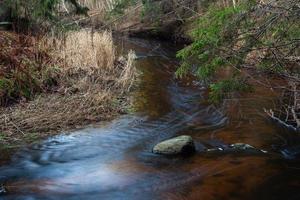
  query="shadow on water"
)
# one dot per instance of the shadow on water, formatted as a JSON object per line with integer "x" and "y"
{"x": 114, "y": 160}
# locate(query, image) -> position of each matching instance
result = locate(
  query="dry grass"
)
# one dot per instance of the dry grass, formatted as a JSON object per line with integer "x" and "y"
{"x": 89, "y": 51}
{"x": 93, "y": 86}
{"x": 96, "y": 4}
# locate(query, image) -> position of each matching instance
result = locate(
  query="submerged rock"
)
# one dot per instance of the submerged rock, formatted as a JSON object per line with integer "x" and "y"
{"x": 291, "y": 152}
{"x": 2, "y": 189}
{"x": 179, "y": 145}
{"x": 245, "y": 147}
{"x": 241, "y": 146}
{"x": 238, "y": 147}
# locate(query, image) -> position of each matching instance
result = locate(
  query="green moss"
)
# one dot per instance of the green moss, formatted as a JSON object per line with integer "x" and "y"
{"x": 130, "y": 109}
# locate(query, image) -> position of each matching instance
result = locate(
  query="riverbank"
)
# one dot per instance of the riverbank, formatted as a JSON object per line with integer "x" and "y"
{"x": 51, "y": 85}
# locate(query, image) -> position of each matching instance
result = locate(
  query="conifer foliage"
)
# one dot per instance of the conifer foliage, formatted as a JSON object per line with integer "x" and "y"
{"x": 257, "y": 35}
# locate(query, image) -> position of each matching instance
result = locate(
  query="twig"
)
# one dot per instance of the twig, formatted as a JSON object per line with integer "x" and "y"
{"x": 270, "y": 113}
{"x": 13, "y": 124}
{"x": 295, "y": 118}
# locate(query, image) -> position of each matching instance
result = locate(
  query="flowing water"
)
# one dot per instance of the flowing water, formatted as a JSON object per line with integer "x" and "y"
{"x": 113, "y": 160}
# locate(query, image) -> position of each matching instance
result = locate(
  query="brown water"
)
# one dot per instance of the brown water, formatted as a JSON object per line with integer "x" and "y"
{"x": 114, "y": 160}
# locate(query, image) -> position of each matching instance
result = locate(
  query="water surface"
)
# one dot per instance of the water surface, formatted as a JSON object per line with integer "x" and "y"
{"x": 114, "y": 160}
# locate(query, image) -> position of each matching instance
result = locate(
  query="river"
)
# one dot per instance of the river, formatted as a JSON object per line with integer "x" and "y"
{"x": 114, "y": 160}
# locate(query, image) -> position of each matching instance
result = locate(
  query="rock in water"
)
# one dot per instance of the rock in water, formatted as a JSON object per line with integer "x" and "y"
{"x": 241, "y": 146}
{"x": 237, "y": 147}
{"x": 179, "y": 145}
{"x": 245, "y": 147}
{"x": 2, "y": 189}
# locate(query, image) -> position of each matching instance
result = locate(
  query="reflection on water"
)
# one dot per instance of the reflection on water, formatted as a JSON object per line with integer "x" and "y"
{"x": 114, "y": 160}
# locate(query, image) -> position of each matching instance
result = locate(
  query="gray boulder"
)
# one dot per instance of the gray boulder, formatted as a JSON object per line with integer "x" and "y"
{"x": 179, "y": 145}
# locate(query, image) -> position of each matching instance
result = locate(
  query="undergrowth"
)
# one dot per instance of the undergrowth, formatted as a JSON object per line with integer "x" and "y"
{"x": 26, "y": 68}
{"x": 81, "y": 82}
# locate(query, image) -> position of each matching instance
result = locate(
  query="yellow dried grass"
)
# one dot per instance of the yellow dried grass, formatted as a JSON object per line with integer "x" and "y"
{"x": 84, "y": 49}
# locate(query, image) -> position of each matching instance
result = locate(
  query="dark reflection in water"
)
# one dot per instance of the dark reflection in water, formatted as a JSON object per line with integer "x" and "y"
{"x": 114, "y": 160}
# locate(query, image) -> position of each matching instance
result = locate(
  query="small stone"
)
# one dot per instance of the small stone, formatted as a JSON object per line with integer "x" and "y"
{"x": 245, "y": 147}
{"x": 241, "y": 146}
{"x": 179, "y": 145}
{"x": 238, "y": 147}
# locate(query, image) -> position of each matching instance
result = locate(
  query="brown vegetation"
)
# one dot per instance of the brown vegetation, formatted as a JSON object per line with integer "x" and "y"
{"x": 24, "y": 64}
{"x": 90, "y": 85}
